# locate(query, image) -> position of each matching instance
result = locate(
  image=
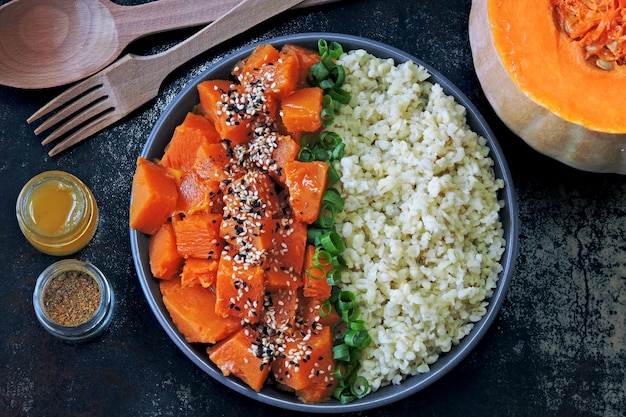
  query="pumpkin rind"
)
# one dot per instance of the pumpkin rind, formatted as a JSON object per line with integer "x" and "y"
{"x": 568, "y": 142}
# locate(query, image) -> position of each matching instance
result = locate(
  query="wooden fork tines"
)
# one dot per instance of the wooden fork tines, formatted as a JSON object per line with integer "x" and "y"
{"x": 114, "y": 92}
{"x": 83, "y": 110}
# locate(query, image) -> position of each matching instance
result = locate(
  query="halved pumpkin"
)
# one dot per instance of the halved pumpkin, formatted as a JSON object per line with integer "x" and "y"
{"x": 546, "y": 86}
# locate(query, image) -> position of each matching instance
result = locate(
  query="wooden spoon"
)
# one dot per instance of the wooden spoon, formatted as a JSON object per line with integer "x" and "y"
{"x": 47, "y": 43}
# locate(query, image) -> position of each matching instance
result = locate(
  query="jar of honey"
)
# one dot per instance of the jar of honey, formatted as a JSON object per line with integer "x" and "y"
{"x": 57, "y": 213}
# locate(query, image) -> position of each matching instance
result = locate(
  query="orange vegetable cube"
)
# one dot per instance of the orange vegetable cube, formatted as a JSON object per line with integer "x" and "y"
{"x": 279, "y": 312}
{"x": 283, "y": 264}
{"x": 306, "y": 182}
{"x": 301, "y": 110}
{"x": 286, "y": 150}
{"x": 198, "y": 236}
{"x": 277, "y": 276}
{"x": 196, "y": 194}
{"x": 270, "y": 153}
{"x": 154, "y": 197}
{"x": 165, "y": 261}
{"x": 239, "y": 287}
{"x": 276, "y": 73}
{"x": 220, "y": 102}
{"x": 310, "y": 313}
{"x": 306, "y": 58}
{"x": 254, "y": 194}
{"x": 239, "y": 355}
{"x": 213, "y": 161}
{"x": 249, "y": 232}
{"x": 283, "y": 76}
{"x": 279, "y": 78}
{"x": 262, "y": 55}
{"x": 314, "y": 276}
{"x": 198, "y": 271}
{"x": 195, "y": 130}
{"x": 306, "y": 362}
{"x": 192, "y": 310}
{"x": 321, "y": 389}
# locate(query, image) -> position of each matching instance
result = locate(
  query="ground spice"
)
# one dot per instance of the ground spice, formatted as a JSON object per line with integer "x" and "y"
{"x": 71, "y": 298}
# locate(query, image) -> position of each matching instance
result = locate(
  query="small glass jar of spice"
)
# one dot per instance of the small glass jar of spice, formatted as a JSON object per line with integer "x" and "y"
{"x": 73, "y": 300}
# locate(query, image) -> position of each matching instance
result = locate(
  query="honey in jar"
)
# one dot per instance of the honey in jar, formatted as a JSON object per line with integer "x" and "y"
{"x": 57, "y": 213}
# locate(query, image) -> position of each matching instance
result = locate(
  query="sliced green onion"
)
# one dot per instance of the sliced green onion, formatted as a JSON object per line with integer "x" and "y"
{"x": 328, "y": 111}
{"x": 320, "y": 154}
{"x": 339, "y": 263}
{"x": 321, "y": 257}
{"x": 364, "y": 342}
{"x": 314, "y": 234}
{"x": 326, "y": 84}
{"x": 329, "y": 139}
{"x": 322, "y": 46}
{"x": 318, "y": 72}
{"x": 335, "y": 50}
{"x": 338, "y": 331}
{"x": 326, "y": 218}
{"x": 346, "y": 301}
{"x": 359, "y": 387}
{"x": 342, "y": 369}
{"x": 305, "y": 155}
{"x": 341, "y": 352}
{"x": 350, "y": 335}
{"x": 332, "y": 242}
{"x": 328, "y": 212}
{"x": 333, "y": 277}
{"x": 307, "y": 139}
{"x": 339, "y": 94}
{"x": 332, "y": 50}
{"x": 337, "y": 153}
{"x": 333, "y": 176}
{"x": 355, "y": 338}
{"x": 346, "y": 397}
{"x": 326, "y": 308}
{"x": 316, "y": 272}
{"x": 358, "y": 325}
{"x": 338, "y": 74}
{"x": 355, "y": 355}
{"x": 350, "y": 314}
{"x": 332, "y": 196}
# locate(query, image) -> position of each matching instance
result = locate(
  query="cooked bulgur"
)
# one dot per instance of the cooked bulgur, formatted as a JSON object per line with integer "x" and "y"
{"x": 421, "y": 219}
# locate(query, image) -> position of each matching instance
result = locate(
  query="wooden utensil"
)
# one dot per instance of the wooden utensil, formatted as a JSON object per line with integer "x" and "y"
{"x": 114, "y": 92}
{"x": 47, "y": 43}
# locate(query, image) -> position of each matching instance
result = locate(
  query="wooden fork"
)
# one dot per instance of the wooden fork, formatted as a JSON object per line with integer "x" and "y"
{"x": 114, "y": 92}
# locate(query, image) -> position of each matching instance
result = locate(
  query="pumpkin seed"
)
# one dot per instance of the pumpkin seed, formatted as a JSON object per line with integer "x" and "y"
{"x": 605, "y": 65}
{"x": 567, "y": 27}
{"x": 612, "y": 46}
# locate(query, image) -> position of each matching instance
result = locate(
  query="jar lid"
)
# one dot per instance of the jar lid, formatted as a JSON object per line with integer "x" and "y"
{"x": 73, "y": 300}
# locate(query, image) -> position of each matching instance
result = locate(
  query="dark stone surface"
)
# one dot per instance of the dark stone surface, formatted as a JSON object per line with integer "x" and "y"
{"x": 558, "y": 347}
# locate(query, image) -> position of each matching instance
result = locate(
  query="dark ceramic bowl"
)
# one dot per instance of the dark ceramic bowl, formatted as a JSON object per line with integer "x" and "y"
{"x": 160, "y": 136}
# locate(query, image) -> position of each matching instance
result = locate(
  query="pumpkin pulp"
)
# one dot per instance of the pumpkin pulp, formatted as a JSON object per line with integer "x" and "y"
{"x": 599, "y": 26}
{"x": 552, "y": 68}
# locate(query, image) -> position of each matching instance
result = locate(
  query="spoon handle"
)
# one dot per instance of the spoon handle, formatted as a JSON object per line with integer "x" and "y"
{"x": 163, "y": 15}
{"x": 245, "y": 15}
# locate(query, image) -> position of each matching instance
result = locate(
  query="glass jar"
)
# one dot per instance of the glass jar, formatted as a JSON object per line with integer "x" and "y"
{"x": 73, "y": 300}
{"x": 57, "y": 213}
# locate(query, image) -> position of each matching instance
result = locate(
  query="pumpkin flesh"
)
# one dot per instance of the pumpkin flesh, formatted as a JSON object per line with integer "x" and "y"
{"x": 548, "y": 65}
{"x": 545, "y": 89}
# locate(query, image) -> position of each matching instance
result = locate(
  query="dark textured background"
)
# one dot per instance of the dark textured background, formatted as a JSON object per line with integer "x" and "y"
{"x": 557, "y": 348}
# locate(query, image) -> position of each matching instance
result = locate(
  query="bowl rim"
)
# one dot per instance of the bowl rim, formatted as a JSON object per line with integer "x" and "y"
{"x": 385, "y": 395}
